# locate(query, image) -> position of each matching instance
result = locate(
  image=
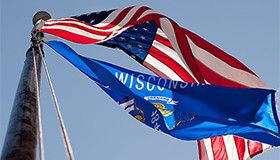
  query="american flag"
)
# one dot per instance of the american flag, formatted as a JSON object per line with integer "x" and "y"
{"x": 170, "y": 51}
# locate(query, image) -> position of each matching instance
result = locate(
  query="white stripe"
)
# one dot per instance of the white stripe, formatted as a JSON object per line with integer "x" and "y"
{"x": 208, "y": 147}
{"x": 126, "y": 19}
{"x": 110, "y": 18}
{"x": 60, "y": 19}
{"x": 206, "y": 82}
{"x": 114, "y": 34}
{"x": 169, "y": 32}
{"x": 171, "y": 54}
{"x": 160, "y": 32}
{"x": 38, "y": 26}
{"x": 230, "y": 146}
{"x": 125, "y": 104}
{"x": 76, "y": 31}
{"x": 147, "y": 12}
{"x": 162, "y": 67}
{"x": 266, "y": 147}
{"x": 224, "y": 69}
{"x": 73, "y": 21}
{"x": 246, "y": 152}
{"x": 131, "y": 108}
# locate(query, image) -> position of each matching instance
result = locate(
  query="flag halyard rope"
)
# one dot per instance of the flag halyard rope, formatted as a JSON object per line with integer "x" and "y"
{"x": 64, "y": 133}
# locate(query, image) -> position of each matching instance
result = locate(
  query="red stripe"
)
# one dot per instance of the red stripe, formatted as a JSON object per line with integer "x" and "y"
{"x": 118, "y": 19}
{"x": 153, "y": 16}
{"x": 81, "y": 28}
{"x": 138, "y": 13}
{"x": 156, "y": 71}
{"x": 240, "y": 146}
{"x": 216, "y": 51}
{"x": 70, "y": 36}
{"x": 218, "y": 148}
{"x": 202, "y": 151}
{"x": 186, "y": 51}
{"x": 254, "y": 148}
{"x": 164, "y": 41}
{"x": 213, "y": 78}
{"x": 173, "y": 65}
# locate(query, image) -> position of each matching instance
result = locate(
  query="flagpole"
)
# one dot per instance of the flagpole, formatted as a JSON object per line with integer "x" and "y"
{"x": 22, "y": 133}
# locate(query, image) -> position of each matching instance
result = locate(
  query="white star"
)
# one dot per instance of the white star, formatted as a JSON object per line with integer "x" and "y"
{"x": 129, "y": 46}
{"x": 132, "y": 38}
{"x": 145, "y": 29}
{"x": 142, "y": 37}
{"x": 135, "y": 29}
{"x": 92, "y": 21}
{"x": 122, "y": 38}
{"x": 133, "y": 56}
{"x": 140, "y": 46}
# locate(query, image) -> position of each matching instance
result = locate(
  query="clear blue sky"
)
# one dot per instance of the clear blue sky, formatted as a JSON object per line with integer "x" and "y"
{"x": 98, "y": 127}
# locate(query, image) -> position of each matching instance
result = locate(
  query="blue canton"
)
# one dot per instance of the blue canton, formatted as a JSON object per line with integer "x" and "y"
{"x": 93, "y": 18}
{"x": 135, "y": 41}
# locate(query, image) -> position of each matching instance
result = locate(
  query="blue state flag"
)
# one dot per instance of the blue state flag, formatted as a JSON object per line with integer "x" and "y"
{"x": 187, "y": 111}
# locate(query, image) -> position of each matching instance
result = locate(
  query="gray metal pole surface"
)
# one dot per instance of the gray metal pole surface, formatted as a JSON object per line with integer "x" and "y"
{"x": 21, "y": 136}
{"x": 22, "y": 133}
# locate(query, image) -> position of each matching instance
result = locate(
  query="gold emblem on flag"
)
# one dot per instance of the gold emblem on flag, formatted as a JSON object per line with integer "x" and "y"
{"x": 163, "y": 110}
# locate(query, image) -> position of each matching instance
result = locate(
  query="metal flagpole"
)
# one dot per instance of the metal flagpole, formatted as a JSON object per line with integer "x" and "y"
{"x": 22, "y": 132}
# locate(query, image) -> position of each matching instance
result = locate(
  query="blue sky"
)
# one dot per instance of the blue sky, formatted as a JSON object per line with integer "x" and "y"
{"x": 97, "y": 126}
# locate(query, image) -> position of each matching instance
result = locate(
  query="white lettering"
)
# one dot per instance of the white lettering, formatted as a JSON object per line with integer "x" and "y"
{"x": 161, "y": 88}
{"x": 141, "y": 86}
{"x": 184, "y": 85}
{"x": 121, "y": 77}
{"x": 157, "y": 126}
{"x": 155, "y": 118}
{"x": 154, "y": 113}
{"x": 141, "y": 83}
{"x": 148, "y": 84}
{"x": 131, "y": 81}
{"x": 173, "y": 84}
